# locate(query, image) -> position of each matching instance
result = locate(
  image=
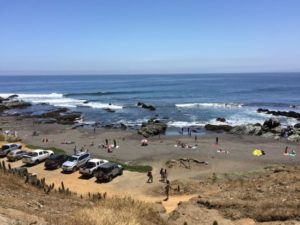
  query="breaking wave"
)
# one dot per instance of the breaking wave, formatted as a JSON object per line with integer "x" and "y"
{"x": 59, "y": 100}
{"x": 100, "y": 93}
{"x": 209, "y": 105}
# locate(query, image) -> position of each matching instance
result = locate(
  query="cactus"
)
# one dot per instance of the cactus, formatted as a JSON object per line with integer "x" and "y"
{"x": 62, "y": 186}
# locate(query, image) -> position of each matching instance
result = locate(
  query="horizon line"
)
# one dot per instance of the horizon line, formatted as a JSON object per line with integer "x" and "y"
{"x": 153, "y": 74}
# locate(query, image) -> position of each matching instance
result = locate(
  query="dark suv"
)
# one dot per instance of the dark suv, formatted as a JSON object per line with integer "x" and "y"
{"x": 55, "y": 161}
{"x": 108, "y": 171}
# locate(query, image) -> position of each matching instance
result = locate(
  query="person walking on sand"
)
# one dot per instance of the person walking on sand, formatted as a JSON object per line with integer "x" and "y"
{"x": 106, "y": 142}
{"x": 182, "y": 131}
{"x": 161, "y": 172}
{"x": 165, "y": 175}
{"x": 217, "y": 140}
{"x": 115, "y": 143}
{"x": 167, "y": 190}
{"x": 94, "y": 130}
{"x": 286, "y": 150}
{"x": 196, "y": 139}
{"x": 150, "y": 177}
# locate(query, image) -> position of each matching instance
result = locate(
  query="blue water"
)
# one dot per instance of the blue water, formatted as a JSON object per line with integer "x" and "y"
{"x": 181, "y": 100}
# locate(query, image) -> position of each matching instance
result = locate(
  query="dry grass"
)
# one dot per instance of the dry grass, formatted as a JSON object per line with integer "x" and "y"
{"x": 117, "y": 211}
{"x": 63, "y": 209}
{"x": 274, "y": 196}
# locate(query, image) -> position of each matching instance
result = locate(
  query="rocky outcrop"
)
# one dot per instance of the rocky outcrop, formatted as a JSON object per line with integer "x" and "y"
{"x": 59, "y": 115}
{"x": 145, "y": 106}
{"x": 294, "y": 138}
{"x": 217, "y": 128}
{"x": 221, "y": 119}
{"x": 291, "y": 114}
{"x": 152, "y": 127}
{"x": 16, "y": 104}
{"x": 297, "y": 125}
{"x": 270, "y": 124}
{"x": 247, "y": 130}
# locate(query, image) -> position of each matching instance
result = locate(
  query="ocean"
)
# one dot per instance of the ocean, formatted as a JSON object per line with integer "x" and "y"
{"x": 180, "y": 100}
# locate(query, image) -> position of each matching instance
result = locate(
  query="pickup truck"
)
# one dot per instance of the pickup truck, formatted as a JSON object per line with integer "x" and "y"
{"x": 36, "y": 156}
{"x": 91, "y": 166}
{"x": 5, "y": 149}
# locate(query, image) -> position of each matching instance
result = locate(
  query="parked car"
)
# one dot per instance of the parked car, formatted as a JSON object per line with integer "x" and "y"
{"x": 36, "y": 156}
{"x": 55, "y": 161}
{"x": 15, "y": 155}
{"x": 5, "y": 149}
{"x": 91, "y": 166}
{"x": 76, "y": 161}
{"x": 108, "y": 171}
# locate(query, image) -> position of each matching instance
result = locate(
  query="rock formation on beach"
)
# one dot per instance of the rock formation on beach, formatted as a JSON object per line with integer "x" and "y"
{"x": 152, "y": 127}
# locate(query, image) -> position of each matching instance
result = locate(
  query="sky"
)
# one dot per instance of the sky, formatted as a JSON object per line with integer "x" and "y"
{"x": 148, "y": 36}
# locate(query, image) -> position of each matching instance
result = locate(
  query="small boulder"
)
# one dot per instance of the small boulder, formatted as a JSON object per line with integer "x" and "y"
{"x": 294, "y": 138}
{"x": 271, "y": 123}
{"x": 221, "y": 119}
{"x": 297, "y": 125}
{"x": 145, "y": 106}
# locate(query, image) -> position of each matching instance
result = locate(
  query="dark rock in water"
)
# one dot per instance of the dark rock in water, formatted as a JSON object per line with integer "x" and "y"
{"x": 211, "y": 127}
{"x": 152, "y": 127}
{"x": 291, "y": 114}
{"x": 297, "y": 125}
{"x": 108, "y": 110}
{"x": 54, "y": 113}
{"x": 85, "y": 102}
{"x": 123, "y": 126}
{"x": 14, "y": 105}
{"x": 270, "y": 124}
{"x": 61, "y": 115}
{"x": 69, "y": 118}
{"x": 143, "y": 105}
{"x": 221, "y": 119}
{"x": 12, "y": 97}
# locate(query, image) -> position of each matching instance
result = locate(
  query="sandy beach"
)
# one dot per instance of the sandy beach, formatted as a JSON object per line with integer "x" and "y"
{"x": 238, "y": 159}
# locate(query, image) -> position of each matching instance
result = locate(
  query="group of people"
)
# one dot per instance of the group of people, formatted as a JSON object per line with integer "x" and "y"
{"x": 108, "y": 146}
{"x": 163, "y": 178}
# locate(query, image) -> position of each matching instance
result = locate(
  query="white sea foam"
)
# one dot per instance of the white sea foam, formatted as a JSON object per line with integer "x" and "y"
{"x": 137, "y": 122}
{"x": 57, "y": 99}
{"x": 209, "y": 105}
{"x": 185, "y": 124}
{"x": 98, "y": 105}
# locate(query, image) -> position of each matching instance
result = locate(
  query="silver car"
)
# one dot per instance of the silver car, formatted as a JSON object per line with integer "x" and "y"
{"x": 16, "y": 155}
{"x": 5, "y": 149}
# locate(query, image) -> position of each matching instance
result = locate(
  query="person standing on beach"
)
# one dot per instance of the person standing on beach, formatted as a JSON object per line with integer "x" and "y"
{"x": 195, "y": 139}
{"x": 94, "y": 130}
{"x": 217, "y": 140}
{"x": 161, "y": 172}
{"x": 167, "y": 190}
{"x": 286, "y": 150}
{"x": 115, "y": 143}
{"x": 182, "y": 131}
{"x": 188, "y": 130}
{"x": 165, "y": 176}
{"x": 106, "y": 142}
{"x": 150, "y": 177}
